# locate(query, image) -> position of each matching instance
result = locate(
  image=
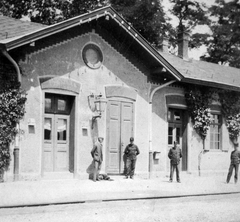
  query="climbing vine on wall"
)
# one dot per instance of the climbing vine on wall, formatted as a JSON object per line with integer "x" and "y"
{"x": 12, "y": 109}
{"x": 198, "y": 99}
{"x": 230, "y": 103}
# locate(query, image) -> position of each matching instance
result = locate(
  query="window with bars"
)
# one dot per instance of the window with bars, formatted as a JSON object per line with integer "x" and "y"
{"x": 215, "y": 132}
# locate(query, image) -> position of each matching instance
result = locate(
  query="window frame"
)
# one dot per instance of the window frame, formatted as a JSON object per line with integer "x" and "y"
{"x": 220, "y": 132}
{"x": 54, "y": 106}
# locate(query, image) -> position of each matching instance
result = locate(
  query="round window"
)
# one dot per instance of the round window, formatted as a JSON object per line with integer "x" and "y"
{"x": 92, "y": 56}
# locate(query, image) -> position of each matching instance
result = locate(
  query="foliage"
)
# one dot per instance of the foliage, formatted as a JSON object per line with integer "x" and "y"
{"x": 190, "y": 14}
{"x": 147, "y": 17}
{"x": 230, "y": 103}
{"x": 198, "y": 99}
{"x": 12, "y": 109}
{"x": 224, "y": 45}
{"x": 202, "y": 121}
{"x": 48, "y": 11}
{"x": 233, "y": 126}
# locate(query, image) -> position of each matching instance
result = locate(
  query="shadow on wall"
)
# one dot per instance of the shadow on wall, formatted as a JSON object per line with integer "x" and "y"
{"x": 90, "y": 170}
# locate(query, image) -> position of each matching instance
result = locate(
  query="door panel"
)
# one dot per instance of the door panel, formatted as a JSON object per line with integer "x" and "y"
{"x": 62, "y": 143}
{"x": 119, "y": 131}
{"x": 56, "y": 143}
{"x": 48, "y": 143}
{"x": 114, "y": 137}
{"x": 126, "y": 129}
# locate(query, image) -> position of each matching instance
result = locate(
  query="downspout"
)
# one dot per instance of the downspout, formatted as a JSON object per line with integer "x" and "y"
{"x": 4, "y": 52}
{"x": 150, "y": 123}
{"x": 17, "y": 139}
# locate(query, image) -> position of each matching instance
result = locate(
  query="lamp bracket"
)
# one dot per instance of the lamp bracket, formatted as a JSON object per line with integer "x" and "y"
{"x": 94, "y": 118}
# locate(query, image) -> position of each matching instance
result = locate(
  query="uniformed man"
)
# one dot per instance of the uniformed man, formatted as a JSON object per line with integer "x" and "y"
{"x": 97, "y": 156}
{"x": 131, "y": 152}
{"x": 174, "y": 155}
{"x": 235, "y": 159}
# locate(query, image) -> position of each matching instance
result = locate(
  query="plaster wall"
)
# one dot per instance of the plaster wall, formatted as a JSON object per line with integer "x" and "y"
{"x": 64, "y": 60}
{"x": 160, "y": 127}
{"x": 211, "y": 161}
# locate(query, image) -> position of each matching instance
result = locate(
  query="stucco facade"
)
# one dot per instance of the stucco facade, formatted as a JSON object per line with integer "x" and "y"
{"x": 144, "y": 97}
{"x": 64, "y": 61}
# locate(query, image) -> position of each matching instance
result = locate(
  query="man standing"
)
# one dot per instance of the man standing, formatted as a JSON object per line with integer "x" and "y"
{"x": 131, "y": 152}
{"x": 97, "y": 158}
{"x": 235, "y": 159}
{"x": 174, "y": 155}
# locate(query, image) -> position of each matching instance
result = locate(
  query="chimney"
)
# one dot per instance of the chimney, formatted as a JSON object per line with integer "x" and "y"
{"x": 183, "y": 39}
{"x": 164, "y": 45}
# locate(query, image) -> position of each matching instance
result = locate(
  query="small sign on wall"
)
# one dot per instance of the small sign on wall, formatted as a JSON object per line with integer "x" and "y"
{"x": 31, "y": 126}
{"x": 85, "y": 128}
{"x": 156, "y": 155}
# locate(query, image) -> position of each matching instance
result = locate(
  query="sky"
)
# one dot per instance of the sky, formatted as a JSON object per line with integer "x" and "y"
{"x": 195, "y": 53}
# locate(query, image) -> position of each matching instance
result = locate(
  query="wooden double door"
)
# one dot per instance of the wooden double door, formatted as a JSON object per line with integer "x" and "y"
{"x": 56, "y": 143}
{"x": 58, "y": 149}
{"x": 120, "y": 122}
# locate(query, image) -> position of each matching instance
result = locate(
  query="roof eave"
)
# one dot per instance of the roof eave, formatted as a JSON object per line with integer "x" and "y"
{"x": 212, "y": 84}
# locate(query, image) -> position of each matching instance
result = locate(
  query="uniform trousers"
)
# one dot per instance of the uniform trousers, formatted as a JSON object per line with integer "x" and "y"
{"x": 173, "y": 167}
{"x": 130, "y": 164}
{"x": 230, "y": 171}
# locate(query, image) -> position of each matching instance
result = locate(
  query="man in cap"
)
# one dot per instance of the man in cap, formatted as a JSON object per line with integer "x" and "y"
{"x": 97, "y": 156}
{"x": 174, "y": 155}
{"x": 235, "y": 159}
{"x": 131, "y": 152}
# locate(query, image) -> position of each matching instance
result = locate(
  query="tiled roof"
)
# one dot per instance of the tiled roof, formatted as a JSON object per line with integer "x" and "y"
{"x": 10, "y": 27}
{"x": 205, "y": 72}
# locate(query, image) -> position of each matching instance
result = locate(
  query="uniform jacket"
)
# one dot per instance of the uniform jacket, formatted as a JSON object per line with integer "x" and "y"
{"x": 235, "y": 157}
{"x": 131, "y": 151}
{"x": 97, "y": 152}
{"x": 174, "y": 155}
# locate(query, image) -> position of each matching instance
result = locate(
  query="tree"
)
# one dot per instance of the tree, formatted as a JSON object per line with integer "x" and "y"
{"x": 147, "y": 17}
{"x": 190, "y": 14}
{"x": 224, "y": 45}
{"x": 14, "y": 8}
{"x": 78, "y": 7}
{"x": 48, "y": 12}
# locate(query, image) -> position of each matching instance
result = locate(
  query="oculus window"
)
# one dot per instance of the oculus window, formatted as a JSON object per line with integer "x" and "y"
{"x": 92, "y": 56}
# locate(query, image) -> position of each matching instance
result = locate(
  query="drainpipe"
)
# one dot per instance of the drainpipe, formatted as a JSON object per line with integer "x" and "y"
{"x": 17, "y": 139}
{"x": 4, "y": 52}
{"x": 150, "y": 123}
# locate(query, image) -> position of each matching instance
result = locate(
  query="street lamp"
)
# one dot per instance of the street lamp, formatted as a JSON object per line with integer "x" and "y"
{"x": 97, "y": 104}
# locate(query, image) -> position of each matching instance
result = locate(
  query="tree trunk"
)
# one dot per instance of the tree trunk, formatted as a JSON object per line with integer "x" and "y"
{"x": 200, "y": 158}
{"x": 1, "y": 175}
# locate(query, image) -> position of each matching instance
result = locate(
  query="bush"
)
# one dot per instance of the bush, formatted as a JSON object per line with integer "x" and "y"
{"x": 12, "y": 109}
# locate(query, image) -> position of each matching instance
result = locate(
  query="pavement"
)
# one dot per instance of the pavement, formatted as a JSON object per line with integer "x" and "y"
{"x": 47, "y": 192}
